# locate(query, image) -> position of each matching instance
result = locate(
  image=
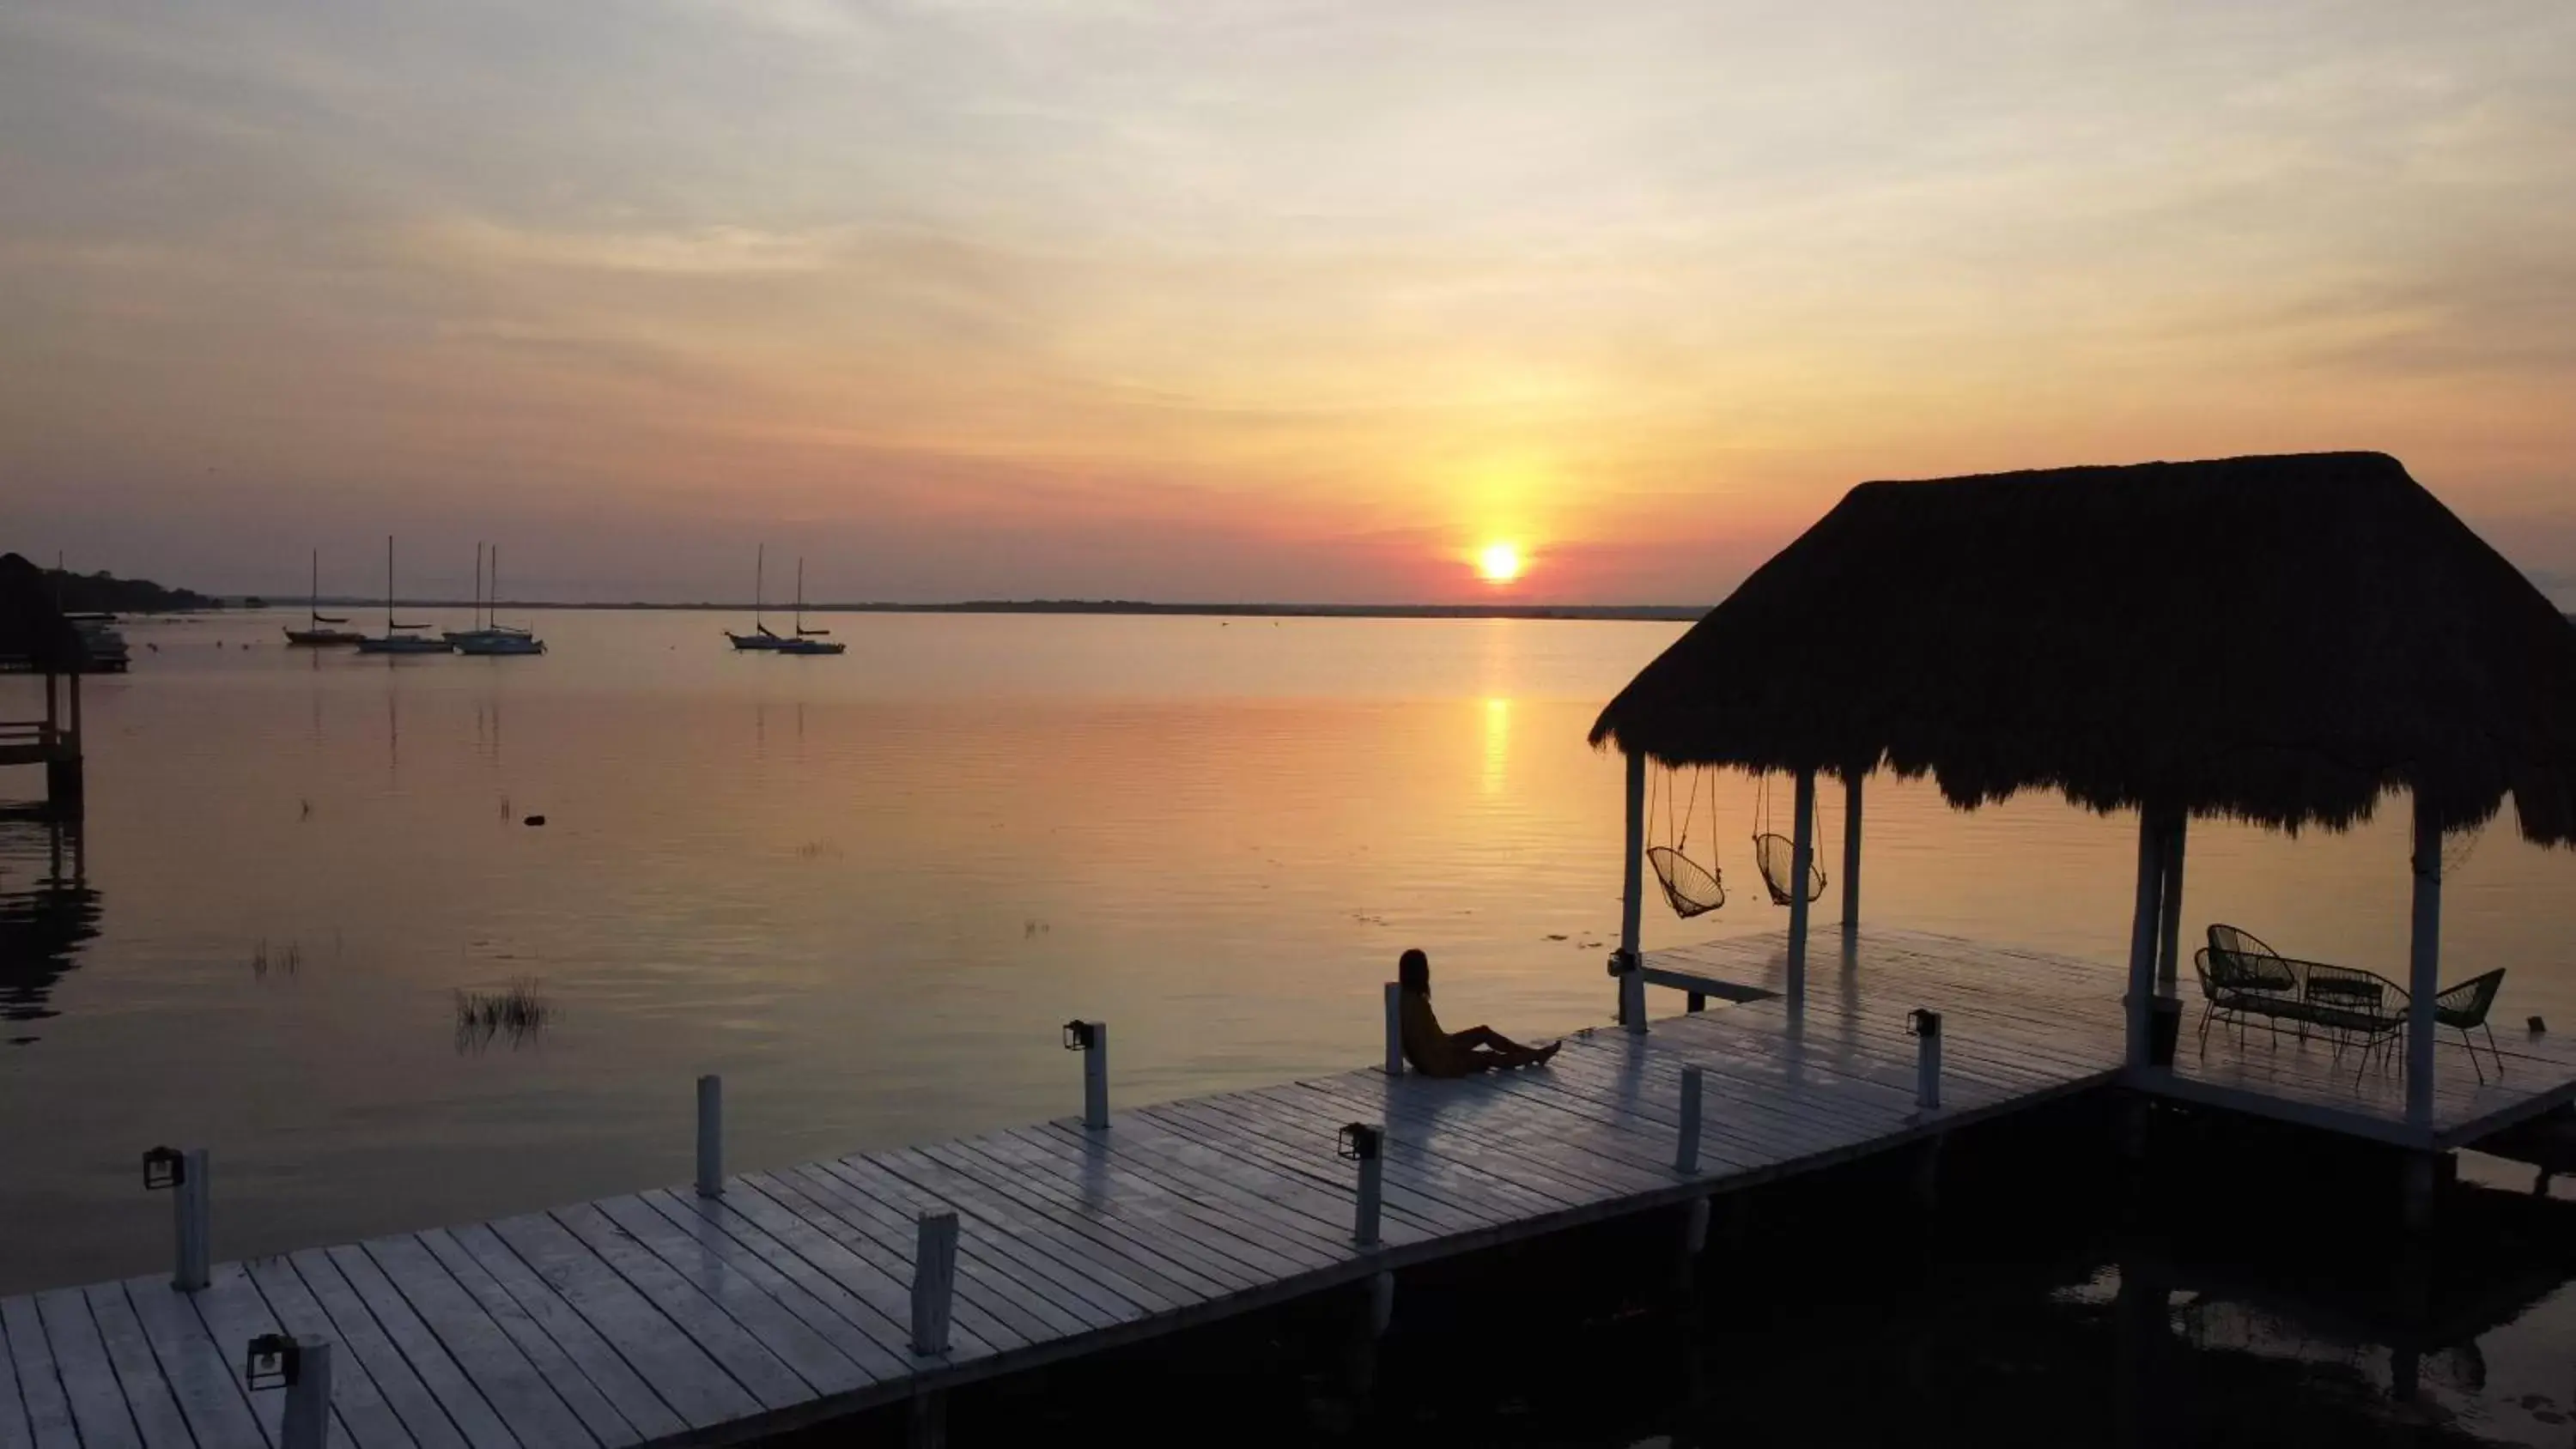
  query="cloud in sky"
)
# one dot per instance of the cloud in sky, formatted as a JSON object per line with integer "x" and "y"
{"x": 1256, "y": 299}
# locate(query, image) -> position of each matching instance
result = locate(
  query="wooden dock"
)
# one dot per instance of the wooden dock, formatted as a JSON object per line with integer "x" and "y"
{"x": 669, "y": 1317}
{"x": 2076, "y": 1006}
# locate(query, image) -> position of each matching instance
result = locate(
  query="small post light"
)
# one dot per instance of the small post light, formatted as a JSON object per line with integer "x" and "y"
{"x": 186, "y": 1176}
{"x": 1091, "y": 1038}
{"x": 302, "y": 1367}
{"x": 1365, "y": 1144}
{"x": 2537, "y": 1026}
{"x": 1632, "y": 989}
{"x": 1926, "y": 1026}
{"x": 710, "y": 1136}
{"x": 272, "y": 1362}
{"x": 1686, "y": 1149}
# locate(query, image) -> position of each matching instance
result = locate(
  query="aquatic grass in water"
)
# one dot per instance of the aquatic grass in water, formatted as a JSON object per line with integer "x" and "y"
{"x": 519, "y": 1012}
{"x": 290, "y": 960}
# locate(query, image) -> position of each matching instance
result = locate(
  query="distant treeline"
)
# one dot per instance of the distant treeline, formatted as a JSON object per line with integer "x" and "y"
{"x": 1134, "y": 606}
{"x": 105, "y": 593}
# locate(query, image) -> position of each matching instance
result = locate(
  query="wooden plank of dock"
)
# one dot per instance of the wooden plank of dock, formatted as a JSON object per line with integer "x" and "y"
{"x": 666, "y": 1317}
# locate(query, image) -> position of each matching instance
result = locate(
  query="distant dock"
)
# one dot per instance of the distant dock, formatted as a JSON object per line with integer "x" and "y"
{"x": 757, "y": 1302}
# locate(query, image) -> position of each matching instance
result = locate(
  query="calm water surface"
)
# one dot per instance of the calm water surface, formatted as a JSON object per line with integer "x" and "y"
{"x": 867, "y": 889}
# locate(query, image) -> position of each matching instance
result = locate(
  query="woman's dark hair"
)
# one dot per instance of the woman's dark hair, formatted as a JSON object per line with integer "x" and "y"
{"x": 1413, "y": 972}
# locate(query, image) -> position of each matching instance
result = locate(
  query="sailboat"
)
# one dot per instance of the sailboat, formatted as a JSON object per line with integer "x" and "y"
{"x": 395, "y": 641}
{"x": 320, "y": 636}
{"x": 490, "y": 636}
{"x": 805, "y": 640}
{"x": 759, "y": 637}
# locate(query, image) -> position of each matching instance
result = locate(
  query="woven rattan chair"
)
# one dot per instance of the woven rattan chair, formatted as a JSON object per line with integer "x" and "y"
{"x": 1777, "y": 855}
{"x": 2465, "y": 1008}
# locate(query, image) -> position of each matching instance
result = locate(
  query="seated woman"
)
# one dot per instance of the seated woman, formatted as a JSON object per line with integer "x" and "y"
{"x": 1437, "y": 1053}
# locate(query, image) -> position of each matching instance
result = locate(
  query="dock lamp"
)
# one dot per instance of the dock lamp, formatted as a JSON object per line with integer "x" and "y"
{"x": 1365, "y": 1144}
{"x": 1091, "y": 1038}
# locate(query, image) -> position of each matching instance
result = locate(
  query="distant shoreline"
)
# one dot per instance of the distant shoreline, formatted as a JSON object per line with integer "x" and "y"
{"x": 1655, "y": 613}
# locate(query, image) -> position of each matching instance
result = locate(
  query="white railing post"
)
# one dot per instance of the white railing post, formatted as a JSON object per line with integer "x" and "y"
{"x": 1926, "y": 1026}
{"x": 1091, "y": 1038}
{"x": 1686, "y": 1154}
{"x": 934, "y": 1281}
{"x": 301, "y": 1366}
{"x": 1365, "y": 1143}
{"x": 710, "y": 1136}
{"x": 187, "y": 1176}
{"x": 1395, "y": 1028}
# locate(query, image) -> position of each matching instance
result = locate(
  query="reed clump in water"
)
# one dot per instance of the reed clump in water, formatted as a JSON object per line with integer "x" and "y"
{"x": 289, "y": 959}
{"x": 519, "y": 1011}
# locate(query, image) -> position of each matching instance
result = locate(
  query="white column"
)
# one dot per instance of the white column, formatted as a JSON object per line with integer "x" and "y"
{"x": 2423, "y": 966}
{"x": 306, "y": 1424}
{"x": 1686, "y": 1150}
{"x": 934, "y": 1281}
{"x": 1095, "y": 1079}
{"x": 1802, "y": 863}
{"x": 2169, "y": 953}
{"x": 710, "y": 1136}
{"x": 2142, "y": 934}
{"x": 1632, "y": 897}
{"x": 1851, "y": 854}
{"x": 193, "y": 1212}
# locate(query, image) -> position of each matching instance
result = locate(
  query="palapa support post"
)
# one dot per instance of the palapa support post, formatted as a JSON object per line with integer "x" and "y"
{"x": 2423, "y": 965}
{"x": 2169, "y": 929}
{"x": 1365, "y": 1144}
{"x": 1091, "y": 1038}
{"x": 300, "y": 1365}
{"x": 711, "y": 1136}
{"x": 1802, "y": 865}
{"x": 187, "y": 1177}
{"x": 2144, "y": 920}
{"x": 934, "y": 1281}
{"x": 1395, "y": 1028}
{"x": 1851, "y": 858}
{"x": 1926, "y": 1026}
{"x": 1632, "y": 900}
{"x": 1686, "y": 1150}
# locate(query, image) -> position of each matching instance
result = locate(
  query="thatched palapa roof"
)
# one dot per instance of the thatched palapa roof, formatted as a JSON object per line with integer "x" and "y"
{"x": 2279, "y": 639}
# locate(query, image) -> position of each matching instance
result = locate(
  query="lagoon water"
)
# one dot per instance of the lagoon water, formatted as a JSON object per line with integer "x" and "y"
{"x": 867, "y": 889}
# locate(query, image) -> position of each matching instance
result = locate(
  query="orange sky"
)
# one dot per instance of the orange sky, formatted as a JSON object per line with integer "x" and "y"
{"x": 1240, "y": 300}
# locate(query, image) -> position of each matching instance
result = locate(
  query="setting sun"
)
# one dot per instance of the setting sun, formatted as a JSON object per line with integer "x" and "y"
{"x": 1499, "y": 562}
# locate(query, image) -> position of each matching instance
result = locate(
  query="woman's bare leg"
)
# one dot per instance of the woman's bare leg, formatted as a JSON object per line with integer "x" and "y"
{"x": 1486, "y": 1036}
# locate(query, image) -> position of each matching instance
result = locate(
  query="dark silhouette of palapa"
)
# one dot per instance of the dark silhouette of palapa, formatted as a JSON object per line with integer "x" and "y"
{"x": 2275, "y": 639}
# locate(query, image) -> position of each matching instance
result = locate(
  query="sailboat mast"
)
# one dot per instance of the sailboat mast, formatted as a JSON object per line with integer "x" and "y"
{"x": 478, "y": 586}
{"x": 800, "y": 593}
{"x": 389, "y": 585}
{"x": 315, "y": 608}
{"x": 492, "y": 592}
{"x": 759, "y": 567}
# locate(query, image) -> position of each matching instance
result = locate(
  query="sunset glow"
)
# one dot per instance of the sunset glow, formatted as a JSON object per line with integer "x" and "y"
{"x": 1499, "y": 563}
{"x": 1242, "y": 302}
